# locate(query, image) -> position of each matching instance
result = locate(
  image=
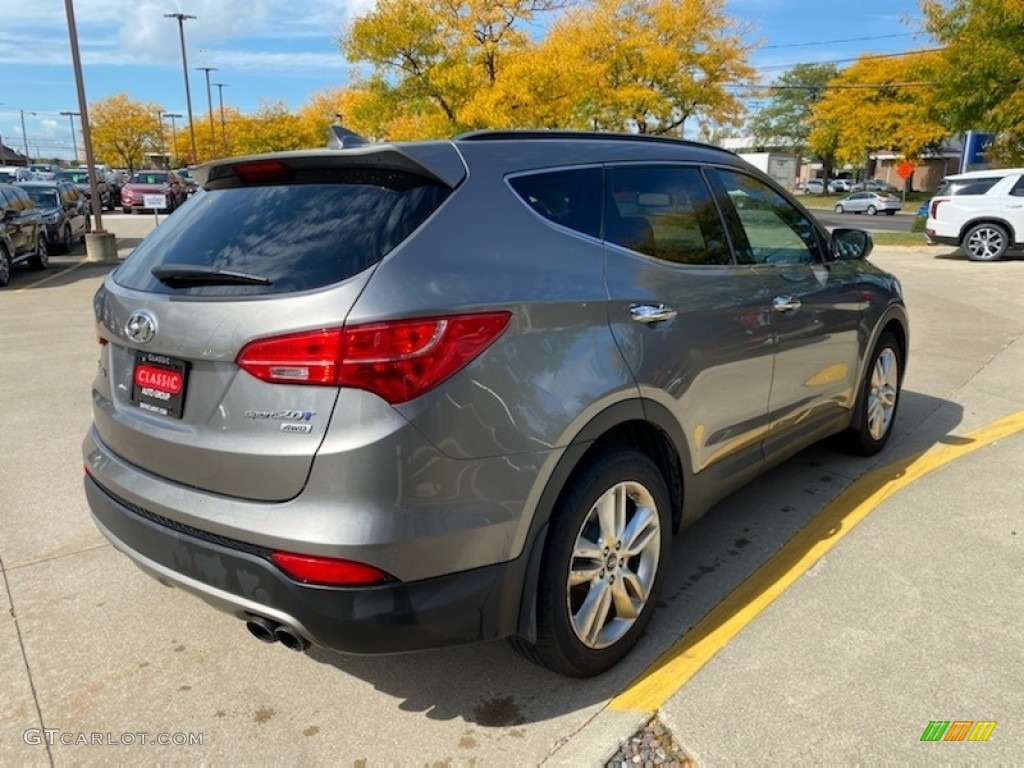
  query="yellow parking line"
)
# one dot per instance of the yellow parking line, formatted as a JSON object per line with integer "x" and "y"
{"x": 46, "y": 279}
{"x": 678, "y": 664}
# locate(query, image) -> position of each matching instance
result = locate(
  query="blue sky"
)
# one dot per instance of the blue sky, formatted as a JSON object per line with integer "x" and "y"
{"x": 285, "y": 50}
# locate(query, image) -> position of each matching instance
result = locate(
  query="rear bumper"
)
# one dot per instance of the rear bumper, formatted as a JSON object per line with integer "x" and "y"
{"x": 933, "y": 238}
{"x": 239, "y": 579}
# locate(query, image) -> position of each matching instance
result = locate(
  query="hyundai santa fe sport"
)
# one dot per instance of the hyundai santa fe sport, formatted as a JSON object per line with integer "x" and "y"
{"x": 385, "y": 397}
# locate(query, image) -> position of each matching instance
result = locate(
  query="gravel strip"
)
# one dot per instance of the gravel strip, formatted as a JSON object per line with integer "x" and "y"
{"x": 651, "y": 745}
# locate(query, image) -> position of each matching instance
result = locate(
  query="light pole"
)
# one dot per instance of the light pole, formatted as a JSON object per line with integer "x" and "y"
{"x": 223, "y": 130}
{"x": 74, "y": 142}
{"x": 209, "y": 107}
{"x": 174, "y": 132}
{"x": 181, "y": 17}
{"x": 24, "y": 136}
{"x": 83, "y": 108}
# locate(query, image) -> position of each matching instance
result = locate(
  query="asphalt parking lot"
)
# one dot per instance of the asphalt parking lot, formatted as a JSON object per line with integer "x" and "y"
{"x": 840, "y": 646}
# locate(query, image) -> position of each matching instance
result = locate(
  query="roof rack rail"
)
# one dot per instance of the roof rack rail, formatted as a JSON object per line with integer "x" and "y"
{"x": 504, "y": 135}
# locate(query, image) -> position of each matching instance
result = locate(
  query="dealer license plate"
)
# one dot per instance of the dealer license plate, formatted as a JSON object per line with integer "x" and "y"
{"x": 158, "y": 383}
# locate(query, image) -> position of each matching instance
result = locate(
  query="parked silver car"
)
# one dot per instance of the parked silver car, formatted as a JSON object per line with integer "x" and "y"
{"x": 460, "y": 390}
{"x": 869, "y": 203}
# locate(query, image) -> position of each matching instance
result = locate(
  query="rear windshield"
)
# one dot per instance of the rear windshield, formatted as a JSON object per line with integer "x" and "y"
{"x": 298, "y": 236}
{"x": 953, "y": 187}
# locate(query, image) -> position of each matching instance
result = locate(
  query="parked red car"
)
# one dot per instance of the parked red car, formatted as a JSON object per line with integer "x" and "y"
{"x": 144, "y": 183}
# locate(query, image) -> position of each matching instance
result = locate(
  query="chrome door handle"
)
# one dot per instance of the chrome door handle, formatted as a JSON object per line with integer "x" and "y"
{"x": 785, "y": 304}
{"x": 651, "y": 313}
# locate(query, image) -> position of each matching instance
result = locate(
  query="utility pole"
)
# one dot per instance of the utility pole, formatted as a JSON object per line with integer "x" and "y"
{"x": 209, "y": 107}
{"x": 223, "y": 130}
{"x": 181, "y": 17}
{"x": 74, "y": 142}
{"x": 24, "y": 136}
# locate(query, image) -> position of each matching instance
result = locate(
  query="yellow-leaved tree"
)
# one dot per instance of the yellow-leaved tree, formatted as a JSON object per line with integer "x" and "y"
{"x": 123, "y": 130}
{"x": 435, "y": 63}
{"x": 879, "y": 104}
{"x": 647, "y": 65}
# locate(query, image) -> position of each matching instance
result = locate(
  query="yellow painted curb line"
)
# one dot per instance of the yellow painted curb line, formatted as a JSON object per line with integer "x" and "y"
{"x": 684, "y": 659}
{"x": 48, "y": 278}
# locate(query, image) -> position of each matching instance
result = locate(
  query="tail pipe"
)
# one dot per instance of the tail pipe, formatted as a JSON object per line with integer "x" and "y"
{"x": 269, "y": 631}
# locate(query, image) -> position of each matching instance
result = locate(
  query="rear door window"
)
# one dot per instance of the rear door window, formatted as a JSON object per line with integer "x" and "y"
{"x": 956, "y": 187}
{"x": 298, "y": 237}
{"x": 666, "y": 212}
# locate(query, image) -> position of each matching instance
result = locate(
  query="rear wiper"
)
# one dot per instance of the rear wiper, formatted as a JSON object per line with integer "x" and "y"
{"x": 181, "y": 274}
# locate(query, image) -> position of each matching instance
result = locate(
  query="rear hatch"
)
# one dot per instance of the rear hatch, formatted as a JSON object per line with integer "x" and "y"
{"x": 270, "y": 246}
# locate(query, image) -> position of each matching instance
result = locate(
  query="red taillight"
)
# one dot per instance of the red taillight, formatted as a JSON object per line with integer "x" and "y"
{"x": 397, "y": 360}
{"x": 328, "y": 570}
{"x": 299, "y": 358}
{"x": 263, "y": 172}
{"x": 934, "y": 208}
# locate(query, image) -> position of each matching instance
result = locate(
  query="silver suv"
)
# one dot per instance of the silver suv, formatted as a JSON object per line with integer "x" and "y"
{"x": 396, "y": 396}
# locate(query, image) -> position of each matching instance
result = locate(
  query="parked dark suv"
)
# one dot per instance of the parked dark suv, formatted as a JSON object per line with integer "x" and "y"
{"x": 22, "y": 233}
{"x": 394, "y": 396}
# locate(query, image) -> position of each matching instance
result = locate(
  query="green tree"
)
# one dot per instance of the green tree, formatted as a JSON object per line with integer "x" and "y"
{"x": 979, "y": 84}
{"x": 784, "y": 121}
{"x": 123, "y": 131}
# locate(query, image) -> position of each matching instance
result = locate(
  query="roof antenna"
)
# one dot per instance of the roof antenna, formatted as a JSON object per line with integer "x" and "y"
{"x": 342, "y": 138}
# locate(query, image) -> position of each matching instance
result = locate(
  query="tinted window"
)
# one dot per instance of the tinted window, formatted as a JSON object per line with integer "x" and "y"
{"x": 980, "y": 186}
{"x": 45, "y": 198}
{"x": 570, "y": 198}
{"x": 299, "y": 236}
{"x": 149, "y": 178}
{"x": 1018, "y": 188}
{"x": 667, "y": 212}
{"x": 776, "y": 231}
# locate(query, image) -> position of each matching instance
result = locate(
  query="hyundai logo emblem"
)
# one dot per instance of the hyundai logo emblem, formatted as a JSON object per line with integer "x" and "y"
{"x": 141, "y": 327}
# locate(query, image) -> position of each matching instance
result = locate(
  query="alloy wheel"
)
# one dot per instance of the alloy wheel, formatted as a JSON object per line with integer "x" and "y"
{"x": 881, "y": 404}
{"x": 614, "y": 564}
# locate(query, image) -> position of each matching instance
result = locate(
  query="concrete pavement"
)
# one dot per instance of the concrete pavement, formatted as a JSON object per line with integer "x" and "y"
{"x": 910, "y": 615}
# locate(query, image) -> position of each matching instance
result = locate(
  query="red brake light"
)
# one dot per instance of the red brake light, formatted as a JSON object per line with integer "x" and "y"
{"x": 397, "y": 360}
{"x": 263, "y": 172}
{"x": 935, "y": 208}
{"x": 328, "y": 570}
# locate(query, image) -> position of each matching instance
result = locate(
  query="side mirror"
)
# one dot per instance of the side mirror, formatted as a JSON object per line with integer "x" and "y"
{"x": 851, "y": 244}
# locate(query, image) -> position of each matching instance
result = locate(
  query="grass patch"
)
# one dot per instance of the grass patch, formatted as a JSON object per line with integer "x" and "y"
{"x": 898, "y": 238}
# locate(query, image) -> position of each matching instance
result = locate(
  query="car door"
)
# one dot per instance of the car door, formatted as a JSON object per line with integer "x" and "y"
{"x": 74, "y": 211}
{"x": 22, "y": 225}
{"x": 816, "y": 314}
{"x": 693, "y": 326}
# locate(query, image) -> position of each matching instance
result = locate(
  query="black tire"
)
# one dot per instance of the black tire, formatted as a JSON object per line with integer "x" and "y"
{"x": 872, "y": 210}
{"x": 986, "y": 242}
{"x": 41, "y": 258}
{"x": 66, "y": 241}
{"x": 878, "y": 400}
{"x": 890, "y": 213}
{"x": 620, "y": 476}
{"x": 5, "y": 267}
{"x": 840, "y": 209}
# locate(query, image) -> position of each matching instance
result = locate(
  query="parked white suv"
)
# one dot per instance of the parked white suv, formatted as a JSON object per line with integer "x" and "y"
{"x": 981, "y": 211}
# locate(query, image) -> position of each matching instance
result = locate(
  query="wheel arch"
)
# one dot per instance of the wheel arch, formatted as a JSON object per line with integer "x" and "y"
{"x": 988, "y": 220}
{"x": 643, "y": 425}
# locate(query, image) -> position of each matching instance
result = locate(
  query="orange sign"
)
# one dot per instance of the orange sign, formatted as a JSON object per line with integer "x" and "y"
{"x": 905, "y": 170}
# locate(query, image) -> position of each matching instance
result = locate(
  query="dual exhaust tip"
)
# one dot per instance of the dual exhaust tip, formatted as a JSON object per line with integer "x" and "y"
{"x": 268, "y": 631}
